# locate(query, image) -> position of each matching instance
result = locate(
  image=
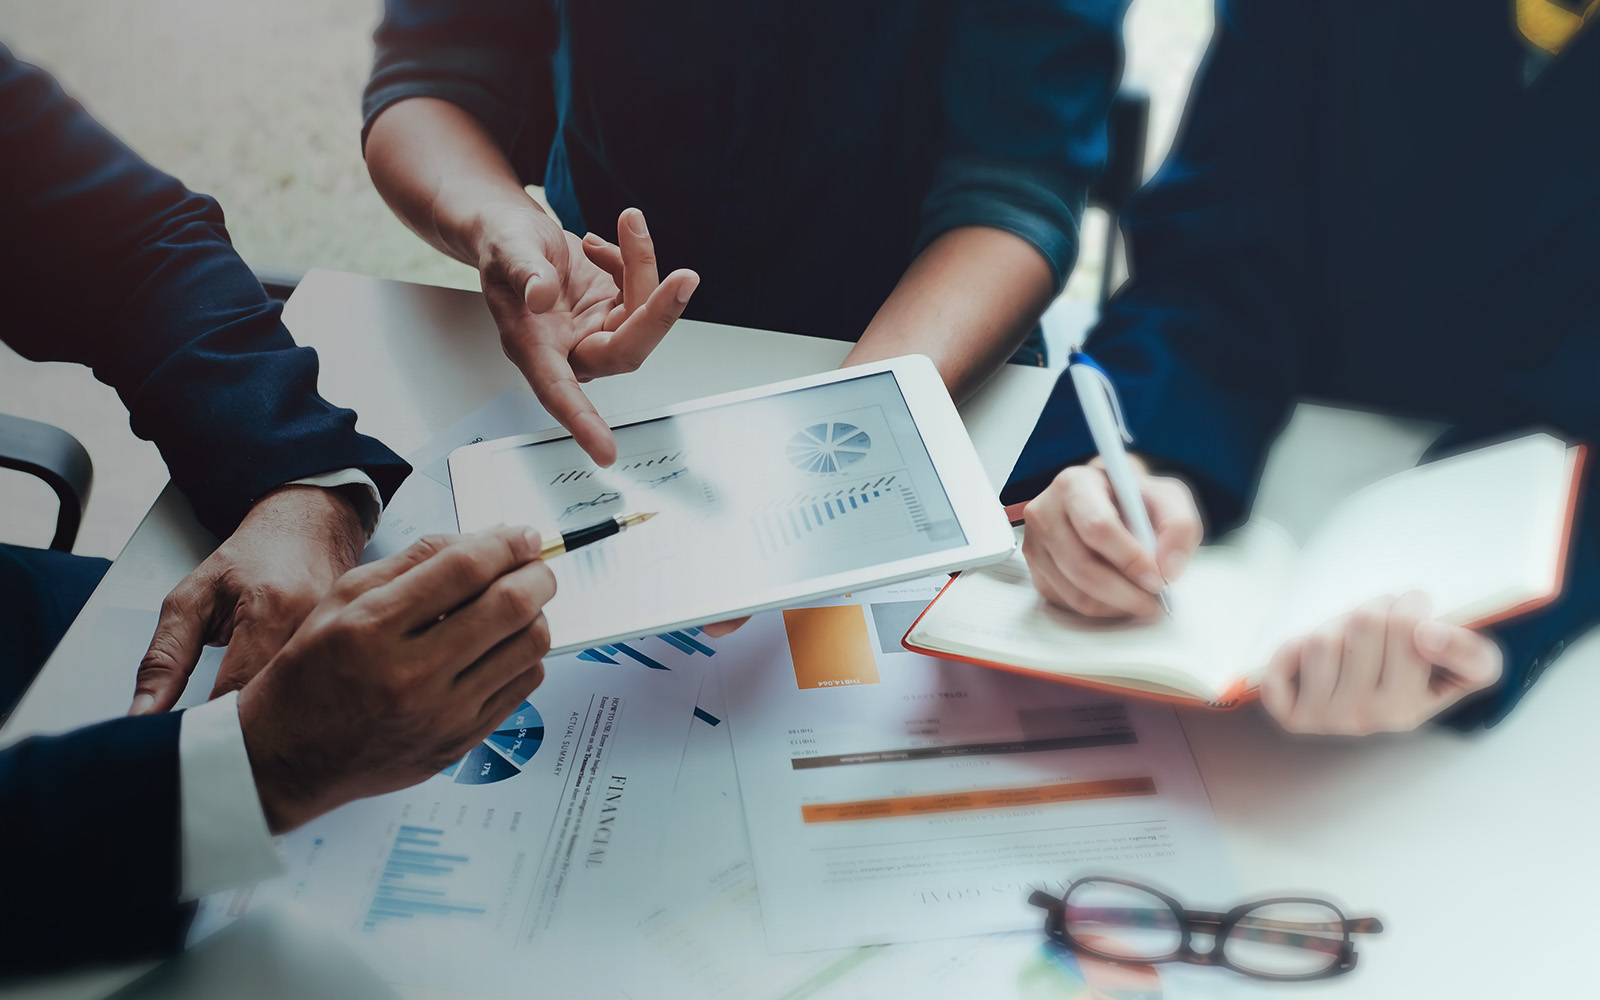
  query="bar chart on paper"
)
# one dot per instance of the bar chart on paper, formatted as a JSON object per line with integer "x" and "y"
{"x": 417, "y": 882}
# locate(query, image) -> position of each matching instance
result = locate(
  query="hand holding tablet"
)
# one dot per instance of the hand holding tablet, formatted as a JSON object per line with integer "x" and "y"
{"x": 767, "y": 497}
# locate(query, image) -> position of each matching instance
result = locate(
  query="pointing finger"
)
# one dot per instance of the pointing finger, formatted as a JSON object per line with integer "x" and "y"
{"x": 553, "y": 381}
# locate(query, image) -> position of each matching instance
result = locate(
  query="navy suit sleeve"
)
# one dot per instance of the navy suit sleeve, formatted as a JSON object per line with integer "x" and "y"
{"x": 1202, "y": 342}
{"x": 90, "y": 832}
{"x": 111, "y": 263}
{"x": 1026, "y": 89}
{"x": 491, "y": 58}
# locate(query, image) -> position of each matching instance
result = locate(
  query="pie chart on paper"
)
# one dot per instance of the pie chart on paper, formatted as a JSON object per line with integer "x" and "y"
{"x": 503, "y": 753}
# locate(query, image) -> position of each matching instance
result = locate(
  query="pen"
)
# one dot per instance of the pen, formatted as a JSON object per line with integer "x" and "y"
{"x": 1103, "y": 413}
{"x": 579, "y": 537}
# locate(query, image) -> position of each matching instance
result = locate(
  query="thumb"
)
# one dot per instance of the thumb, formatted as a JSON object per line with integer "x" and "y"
{"x": 530, "y": 267}
{"x": 1473, "y": 659}
{"x": 174, "y": 649}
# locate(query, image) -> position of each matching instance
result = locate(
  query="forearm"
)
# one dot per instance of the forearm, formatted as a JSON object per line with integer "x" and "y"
{"x": 442, "y": 173}
{"x": 967, "y": 301}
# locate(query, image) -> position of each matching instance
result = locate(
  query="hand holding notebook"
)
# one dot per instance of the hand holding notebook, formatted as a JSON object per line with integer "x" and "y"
{"x": 1483, "y": 534}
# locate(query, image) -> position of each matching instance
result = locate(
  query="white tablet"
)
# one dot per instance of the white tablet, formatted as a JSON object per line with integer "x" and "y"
{"x": 765, "y": 498}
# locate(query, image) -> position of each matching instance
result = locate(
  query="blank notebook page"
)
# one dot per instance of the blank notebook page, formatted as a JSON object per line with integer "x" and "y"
{"x": 994, "y": 613}
{"x": 1478, "y": 533}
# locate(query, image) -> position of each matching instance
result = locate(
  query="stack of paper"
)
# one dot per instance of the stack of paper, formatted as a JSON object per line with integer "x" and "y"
{"x": 800, "y": 809}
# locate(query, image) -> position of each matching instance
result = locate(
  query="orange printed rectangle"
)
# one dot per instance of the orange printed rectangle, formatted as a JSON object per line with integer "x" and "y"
{"x": 830, "y": 647}
{"x": 987, "y": 798}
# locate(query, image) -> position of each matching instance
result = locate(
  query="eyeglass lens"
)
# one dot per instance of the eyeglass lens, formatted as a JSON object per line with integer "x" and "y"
{"x": 1121, "y": 921}
{"x": 1286, "y": 939}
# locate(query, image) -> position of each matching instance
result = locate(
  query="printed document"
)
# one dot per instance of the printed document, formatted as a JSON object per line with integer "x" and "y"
{"x": 514, "y": 858}
{"x": 893, "y": 797}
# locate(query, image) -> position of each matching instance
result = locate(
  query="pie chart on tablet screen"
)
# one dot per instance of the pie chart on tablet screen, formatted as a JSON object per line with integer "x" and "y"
{"x": 503, "y": 753}
{"x": 829, "y": 447}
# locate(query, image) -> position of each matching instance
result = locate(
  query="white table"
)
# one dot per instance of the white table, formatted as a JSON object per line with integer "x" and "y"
{"x": 1475, "y": 851}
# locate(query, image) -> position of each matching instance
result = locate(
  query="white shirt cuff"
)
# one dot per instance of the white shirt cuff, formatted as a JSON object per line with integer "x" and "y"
{"x": 350, "y": 477}
{"x": 225, "y": 839}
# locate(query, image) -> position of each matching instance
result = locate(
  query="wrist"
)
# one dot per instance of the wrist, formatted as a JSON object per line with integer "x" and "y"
{"x": 332, "y": 517}
{"x": 289, "y": 792}
{"x": 486, "y": 217}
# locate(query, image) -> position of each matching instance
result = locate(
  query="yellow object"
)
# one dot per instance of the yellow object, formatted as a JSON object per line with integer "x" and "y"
{"x": 1550, "y": 24}
{"x": 830, "y": 647}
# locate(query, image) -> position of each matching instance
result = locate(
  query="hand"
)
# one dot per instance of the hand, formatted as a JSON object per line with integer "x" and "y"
{"x": 717, "y": 630}
{"x": 1083, "y": 556}
{"x": 570, "y": 310}
{"x": 403, "y": 668}
{"x": 251, "y": 593}
{"x": 1385, "y": 667}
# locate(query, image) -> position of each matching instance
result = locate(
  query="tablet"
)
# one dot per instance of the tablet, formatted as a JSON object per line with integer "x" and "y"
{"x": 764, "y": 498}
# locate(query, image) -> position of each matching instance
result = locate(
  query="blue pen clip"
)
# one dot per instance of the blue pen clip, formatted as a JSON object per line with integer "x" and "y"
{"x": 1077, "y": 357}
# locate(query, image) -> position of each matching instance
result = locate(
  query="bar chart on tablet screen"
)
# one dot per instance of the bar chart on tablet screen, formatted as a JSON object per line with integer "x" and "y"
{"x": 747, "y": 496}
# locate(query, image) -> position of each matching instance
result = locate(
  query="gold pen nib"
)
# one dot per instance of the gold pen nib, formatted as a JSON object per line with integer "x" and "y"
{"x": 634, "y": 520}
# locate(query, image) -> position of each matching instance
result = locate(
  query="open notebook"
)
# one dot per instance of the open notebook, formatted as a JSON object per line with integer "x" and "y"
{"x": 1483, "y": 534}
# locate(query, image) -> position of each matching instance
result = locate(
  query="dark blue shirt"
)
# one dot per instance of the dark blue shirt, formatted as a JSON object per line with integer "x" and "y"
{"x": 798, "y": 156}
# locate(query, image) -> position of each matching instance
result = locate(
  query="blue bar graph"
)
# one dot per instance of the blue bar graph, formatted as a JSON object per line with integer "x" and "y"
{"x": 683, "y": 641}
{"x": 395, "y": 899}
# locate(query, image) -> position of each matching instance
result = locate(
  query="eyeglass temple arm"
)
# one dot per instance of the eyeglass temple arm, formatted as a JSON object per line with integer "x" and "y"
{"x": 1293, "y": 933}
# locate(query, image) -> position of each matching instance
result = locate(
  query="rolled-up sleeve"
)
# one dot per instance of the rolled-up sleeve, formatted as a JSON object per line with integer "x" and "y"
{"x": 490, "y": 58}
{"x": 1026, "y": 91}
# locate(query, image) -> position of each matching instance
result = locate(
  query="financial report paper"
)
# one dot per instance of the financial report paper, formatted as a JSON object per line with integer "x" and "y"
{"x": 512, "y": 860}
{"x": 893, "y": 797}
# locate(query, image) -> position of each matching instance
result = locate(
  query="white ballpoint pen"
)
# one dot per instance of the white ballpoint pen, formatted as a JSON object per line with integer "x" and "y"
{"x": 1103, "y": 413}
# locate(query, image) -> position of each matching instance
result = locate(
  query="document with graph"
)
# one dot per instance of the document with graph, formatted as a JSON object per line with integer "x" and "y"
{"x": 514, "y": 860}
{"x": 895, "y": 797}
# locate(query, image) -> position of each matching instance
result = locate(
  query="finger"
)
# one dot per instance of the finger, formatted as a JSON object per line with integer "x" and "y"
{"x": 509, "y": 605}
{"x": 498, "y": 665}
{"x": 1471, "y": 662}
{"x": 639, "y": 275}
{"x": 1058, "y": 590}
{"x": 1319, "y": 674}
{"x": 1087, "y": 571}
{"x": 606, "y": 256}
{"x": 717, "y": 630}
{"x": 626, "y": 348}
{"x": 451, "y": 578}
{"x": 498, "y": 706}
{"x": 1403, "y": 688}
{"x": 253, "y": 644}
{"x": 181, "y": 633}
{"x": 551, "y": 377}
{"x": 1095, "y": 520}
{"x": 1176, "y": 521}
{"x": 360, "y": 579}
{"x": 1354, "y": 703}
{"x": 1279, "y": 685}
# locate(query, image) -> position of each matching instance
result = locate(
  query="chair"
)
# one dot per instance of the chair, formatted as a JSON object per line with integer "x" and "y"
{"x": 49, "y": 453}
{"x": 1127, "y": 128}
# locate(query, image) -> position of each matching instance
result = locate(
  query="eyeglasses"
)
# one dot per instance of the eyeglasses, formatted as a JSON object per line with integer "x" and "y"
{"x": 1281, "y": 939}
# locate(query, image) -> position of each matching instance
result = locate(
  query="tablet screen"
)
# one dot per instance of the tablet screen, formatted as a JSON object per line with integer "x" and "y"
{"x": 749, "y": 495}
